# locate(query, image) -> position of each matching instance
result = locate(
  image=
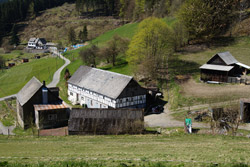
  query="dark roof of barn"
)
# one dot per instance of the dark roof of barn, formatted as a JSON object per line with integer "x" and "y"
{"x": 106, "y": 83}
{"x": 104, "y": 113}
{"x": 227, "y": 58}
{"x": 28, "y": 90}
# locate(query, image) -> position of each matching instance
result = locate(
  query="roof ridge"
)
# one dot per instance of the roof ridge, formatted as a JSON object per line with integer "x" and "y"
{"x": 110, "y": 72}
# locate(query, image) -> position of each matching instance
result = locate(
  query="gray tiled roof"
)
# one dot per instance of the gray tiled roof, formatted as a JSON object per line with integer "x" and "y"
{"x": 106, "y": 83}
{"x": 216, "y": 67}
{"x": 32, "y": 39}
{"x": 28, "y": 90}
{"x": 227, "y": 58}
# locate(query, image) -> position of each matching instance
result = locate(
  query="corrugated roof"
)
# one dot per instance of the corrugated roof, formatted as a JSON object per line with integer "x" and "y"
{"x": 42, "y": 107}
{"x": 243, "y": 65}
{"x": 216, "y": 67}
{"x": 227, "y": 58}
{"x": 28, "y": 90}
{"x": 107, "y": 83}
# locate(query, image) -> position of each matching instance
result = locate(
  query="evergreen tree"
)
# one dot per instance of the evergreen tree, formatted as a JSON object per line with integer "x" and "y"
{"x": 85, "y": 33}
{"x": 71, "y": 36}
{"x": 14, "y": 40}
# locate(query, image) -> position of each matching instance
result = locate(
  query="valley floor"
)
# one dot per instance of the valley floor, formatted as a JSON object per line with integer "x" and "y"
{"x": 176, "y": 148}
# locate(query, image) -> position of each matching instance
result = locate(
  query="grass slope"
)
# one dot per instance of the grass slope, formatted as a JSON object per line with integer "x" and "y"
{"x": 12, "y": 80}
{"x": 123, "y": 67}
{"x": 194, "y": 92}
{"x": 177, "y": 148}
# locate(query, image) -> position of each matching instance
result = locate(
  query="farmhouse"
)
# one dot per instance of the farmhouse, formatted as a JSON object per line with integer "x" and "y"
{"x": 97, "y": 88}
{"x": 223, "y": 67}
{"x": 106, "y": 121}
{"x": 40, "y": 106}
{"x": 37, "y": 43}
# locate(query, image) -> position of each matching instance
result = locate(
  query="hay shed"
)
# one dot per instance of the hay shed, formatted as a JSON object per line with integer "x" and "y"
{"x": 106, "y": 121}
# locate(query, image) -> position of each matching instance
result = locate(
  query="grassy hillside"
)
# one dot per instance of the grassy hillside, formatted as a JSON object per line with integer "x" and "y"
{"x": 187, "y": 64}
{"x": 53, "y": 24}
{"x": 12, "y": 80}
{"x": 130, "y": 150}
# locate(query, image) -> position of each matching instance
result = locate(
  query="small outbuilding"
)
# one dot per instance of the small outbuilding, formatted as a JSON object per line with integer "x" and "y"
{"x": 105, "y": 121}
{"x": 11, "y": 65}
{"x": 25, "y": 60}
{"x": 41, "y": 106}
{"x": 223, "y": 67}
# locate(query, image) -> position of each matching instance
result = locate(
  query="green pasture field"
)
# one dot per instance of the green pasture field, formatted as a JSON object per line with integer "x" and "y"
{"x": 176, "y": 149}
{"x": 13, "y": 79}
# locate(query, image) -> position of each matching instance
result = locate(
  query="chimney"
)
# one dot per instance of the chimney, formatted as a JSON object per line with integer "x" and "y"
{"x": 45, "y": 93}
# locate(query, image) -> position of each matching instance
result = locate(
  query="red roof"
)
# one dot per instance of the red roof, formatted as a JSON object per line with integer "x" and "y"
{"x": 42, "y": 107}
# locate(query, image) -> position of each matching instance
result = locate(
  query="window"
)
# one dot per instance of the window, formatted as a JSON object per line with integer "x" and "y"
{"x": 91, "y": 103}
{"x": 71, "y": 94}
{"x": 82, "y": 98}
{"x": 52, "y": 117}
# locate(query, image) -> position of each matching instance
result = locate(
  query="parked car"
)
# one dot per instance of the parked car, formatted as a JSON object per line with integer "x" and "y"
{"x": 157, "y": 109}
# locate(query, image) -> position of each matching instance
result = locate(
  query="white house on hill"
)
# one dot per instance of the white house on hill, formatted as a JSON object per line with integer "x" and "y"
{"x": 98, "y": 88}
{"x": 37, "y": 43}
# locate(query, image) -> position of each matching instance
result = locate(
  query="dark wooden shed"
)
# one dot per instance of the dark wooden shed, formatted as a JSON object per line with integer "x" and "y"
{"x": 105, "y": 121}
{"x": 33, "y": 93}
{"x": 48, "y": 116}
{"x": 25, "y": 60}
{"x": 11, "y": 65}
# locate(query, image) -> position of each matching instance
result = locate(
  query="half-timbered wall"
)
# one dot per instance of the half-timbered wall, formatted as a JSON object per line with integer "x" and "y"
{"x": 82, "y": 96}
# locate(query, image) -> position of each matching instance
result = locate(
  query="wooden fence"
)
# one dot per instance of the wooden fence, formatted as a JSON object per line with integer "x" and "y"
{"x": 238, "y": 80}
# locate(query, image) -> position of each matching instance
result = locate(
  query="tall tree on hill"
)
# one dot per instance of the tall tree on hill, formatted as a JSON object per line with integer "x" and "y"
{"x": 89, "y": 55}
{"x": 207, "y": 19}
{"x": 151, "y": 47}
{"x": 14, "y": 40}
{"x": 117, "y": 45}
{"x": 83, "y": 35}
{"x": 2, "y": 62}
{"x": 71, "y": 36}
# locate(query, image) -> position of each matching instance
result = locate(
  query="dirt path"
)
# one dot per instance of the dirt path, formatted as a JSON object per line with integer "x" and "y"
{"x": 7, "y": 97}
{"x": 166, "y": 120}
{"x": 56, "y": 77}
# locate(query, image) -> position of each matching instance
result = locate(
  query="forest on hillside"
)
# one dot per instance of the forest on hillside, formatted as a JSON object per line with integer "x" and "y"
{"x": 202, "y": 20}
{"x": 14, "y": 11}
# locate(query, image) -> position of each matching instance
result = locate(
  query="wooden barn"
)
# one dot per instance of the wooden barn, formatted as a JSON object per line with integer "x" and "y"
{"x": 40, "y": 106}
{"x": 105, "y": 121}
{"x": 223, "y": 67}
{"x": 96, "y": 88}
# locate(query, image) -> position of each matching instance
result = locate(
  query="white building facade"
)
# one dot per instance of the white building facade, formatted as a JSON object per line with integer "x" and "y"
{"x": 128, "y": 95}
